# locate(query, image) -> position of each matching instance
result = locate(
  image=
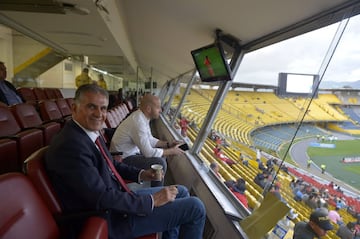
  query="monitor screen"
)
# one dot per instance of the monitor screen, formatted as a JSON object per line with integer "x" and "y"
{"x": 210, "y": 63}
{"x": 293, "y": 84}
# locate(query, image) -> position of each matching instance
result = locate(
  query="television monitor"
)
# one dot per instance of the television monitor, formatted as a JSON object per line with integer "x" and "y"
{"x": 293, "y": 84}
{"x": 210, "y": 63}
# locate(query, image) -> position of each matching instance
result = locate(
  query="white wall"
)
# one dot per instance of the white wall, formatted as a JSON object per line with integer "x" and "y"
{"x": 6, "y": 50}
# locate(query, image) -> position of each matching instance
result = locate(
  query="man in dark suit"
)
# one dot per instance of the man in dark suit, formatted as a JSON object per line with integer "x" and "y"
{"x": 8, "y": 93}
{"x": 83, "y": 180}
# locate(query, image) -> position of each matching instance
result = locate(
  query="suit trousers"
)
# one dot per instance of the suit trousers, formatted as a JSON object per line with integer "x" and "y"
{"x": 182, "y": 218}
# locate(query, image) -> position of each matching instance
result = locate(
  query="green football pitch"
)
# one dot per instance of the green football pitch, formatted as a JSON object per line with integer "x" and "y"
{"x": 332, "y": 158}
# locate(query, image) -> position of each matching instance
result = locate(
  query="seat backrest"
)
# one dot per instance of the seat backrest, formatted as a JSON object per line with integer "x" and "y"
{"x": 70, "y": 101}
{"x": 40, "y": 94}
{"x": 110, "y": 121}
{"x": 8, "y": 123}
{"x": 23, "y": 213}
{"x": 27, "y": 94}
{"x": 58, "y": 93}
{"x": 35, "y": 170}
{"x": 49, "y": 111}
{"x": 26, "y": 115}
{"x": 27, "y": 140}
{"x": 50, "y": 93}
{"x": 63, "y": 107}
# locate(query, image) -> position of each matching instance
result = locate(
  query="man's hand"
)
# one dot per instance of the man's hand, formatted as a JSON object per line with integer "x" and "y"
{"x": 175, "y": 150}
{"x": 176, "y": 142}
{"x": 165, "y": 195}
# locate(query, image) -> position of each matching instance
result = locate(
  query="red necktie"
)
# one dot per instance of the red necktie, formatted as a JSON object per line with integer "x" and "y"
{"x": 111, "y": 165}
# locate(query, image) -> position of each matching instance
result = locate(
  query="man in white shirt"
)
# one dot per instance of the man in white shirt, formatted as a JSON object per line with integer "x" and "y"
{"x": 134, "y": 139}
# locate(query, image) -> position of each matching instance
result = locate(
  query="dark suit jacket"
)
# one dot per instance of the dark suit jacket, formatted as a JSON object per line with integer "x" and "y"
{"x": 2, "y": 96}
{"x": 83, "y": 181}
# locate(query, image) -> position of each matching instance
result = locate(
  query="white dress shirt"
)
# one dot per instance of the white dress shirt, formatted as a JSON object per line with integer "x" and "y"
{"x": 133, "y": 136}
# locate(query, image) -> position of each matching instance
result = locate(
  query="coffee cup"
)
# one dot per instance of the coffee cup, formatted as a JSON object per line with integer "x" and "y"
{"x": 157, "y": 168}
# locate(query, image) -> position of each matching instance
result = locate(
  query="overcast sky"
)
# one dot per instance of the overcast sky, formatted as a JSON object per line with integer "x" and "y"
{"x": 304, "y": 54}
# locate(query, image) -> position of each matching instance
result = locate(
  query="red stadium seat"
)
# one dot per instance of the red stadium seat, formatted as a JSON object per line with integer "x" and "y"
{"x": 27, "y": 117}
{"x": 28, "y": 141}
{"x": 40, "y": 94}
{"x": 34, "y": 168}
{"x": 49, "y": 111}
{"x": 8, "y": 152}
{"x": 110, "y": 120}
{"x": 50, "y": 93}
{"x": 64, "y": 108}
{"x": 124, "y": 109}
{"x": 24, "y": 214}
{"x": 70, "y": 101}
{"x": 9, "y": 156}
{"x": 28, "y": 95}
{"x": 58, "y": 93}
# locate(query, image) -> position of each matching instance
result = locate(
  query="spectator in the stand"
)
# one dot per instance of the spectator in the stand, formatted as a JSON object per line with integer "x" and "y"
{"x": 212, "y": 134}
{"x": 340, "y": 203}
{"x": 311, "y": 201}
{"x": 260, "y": 179}
{"x": 269, "y": 163}
{"x": 323, "y": 168}
{"x": 215, "y": 168}
{"x": 101, "y": 82}
{"x": 309, "y": 162}
{"x": 243, "y": 160}
{"x": 298, "y": 190}
{"x": 184, "y": 126}
{"x": 133, "y": 137}
{"x": 88, "y": 180}
{"x": 218, "y": 140}
{"x": 220, "y": 155}
{"x": 258, "y": 155}
{"x": 275, "y": 190}
{"x": 292, "y": 184}
{"x": 335, "y": 217}
{"x": 346, "y": 231}
{"x": 83, "y": 78}
{"x": 269, "y": 177}
{"x": 261, "y": 166}
{"x": 8, "y": 93}
{"x": 238, "y": 189}
{"x": 284, "y": 168}
{"x": 317, "y": 226}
